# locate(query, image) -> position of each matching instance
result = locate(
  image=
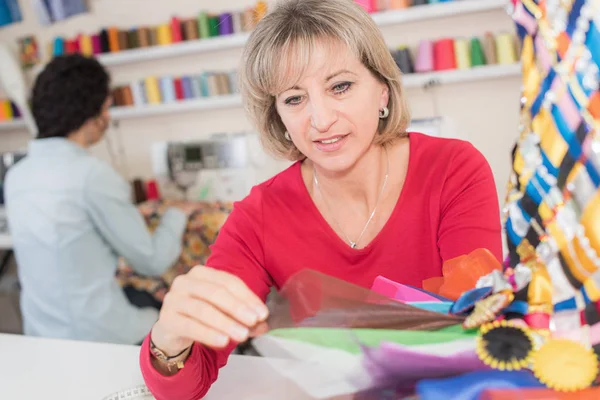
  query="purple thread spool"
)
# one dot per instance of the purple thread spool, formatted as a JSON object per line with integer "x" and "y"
{"x": 225, "y": 24}
{"x": 96, "y": 44}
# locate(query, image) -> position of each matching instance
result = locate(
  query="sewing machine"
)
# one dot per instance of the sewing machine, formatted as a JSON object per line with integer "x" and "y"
{"x": 223, "y": 167}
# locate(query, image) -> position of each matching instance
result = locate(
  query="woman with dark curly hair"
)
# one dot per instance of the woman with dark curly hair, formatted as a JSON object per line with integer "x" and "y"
{"x": 71, "y": 216}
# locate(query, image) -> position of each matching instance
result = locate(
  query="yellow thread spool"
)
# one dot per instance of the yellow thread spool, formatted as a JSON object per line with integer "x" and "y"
{"x": 85, "y": 45}
{"x": 462, "y": 54}
{"x": 505, "y": 49}
{"x": 164, "y": 34}
{"x": 152, "y": 90}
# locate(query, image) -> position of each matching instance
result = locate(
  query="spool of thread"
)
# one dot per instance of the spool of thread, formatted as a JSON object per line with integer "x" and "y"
{"x": 188, "y": 91}
{"x": 399, "y": 4}
{"x": 477, "y": 56}
{"x": 213, "y": 85}
{"x": 505, "y": 49}
{"x": 123, "y": 40}
{"x": 178, "y": 89}
{"x": 225, "y": 24}
{"x": 152, "y": 90}
{"x": 85, "y": 45}
{"x": 137, "y": 92}
{"x": 203, "y": 27}
{"x": 190, "y": 28}
{"x": 113, "y": 39}
{"x": 462, "y": 53}
{"x": 143, "y": 37}
{"x": 443, "y": 55}
{"x": 404, "y": 60}
{"x": 59, "y": 46}
{"x": 153, "y": 36}
{"x": 248, "y": 20}
{"x": 167, "y": 86}
{"x": 424, "y": 59}
{"x": 261, "y": 10}
{"x": 223, "y": 82}
{"x": 419, "y": 2}
{"x": 237, "y": 22}
{"x": 203, "y": 81}
{"x": 70, "y": 46}
{"x": 489, "y": 48}
{"x": 196, "y": 90}
{"x": 164, "y": 35}
{"x": 368, "y": 5}
{"x": 127, "y": 96}
{"x": 104, "y": 41}
{"x": 176, "y": 34}
{"x": 132, "y": 39}
{"x": 213, "y": 25}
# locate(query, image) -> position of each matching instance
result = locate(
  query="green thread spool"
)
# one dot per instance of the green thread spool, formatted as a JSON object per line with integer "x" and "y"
{"x": 213, "y": 26}
{"x": 203, "y": 26}
{"x": 477, "y": 56}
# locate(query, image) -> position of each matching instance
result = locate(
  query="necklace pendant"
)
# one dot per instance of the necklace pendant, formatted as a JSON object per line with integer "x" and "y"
{"x": 352, "y": 244}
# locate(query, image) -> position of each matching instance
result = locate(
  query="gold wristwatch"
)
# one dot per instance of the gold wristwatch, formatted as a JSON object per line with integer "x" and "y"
{"x": 176, "y": 361}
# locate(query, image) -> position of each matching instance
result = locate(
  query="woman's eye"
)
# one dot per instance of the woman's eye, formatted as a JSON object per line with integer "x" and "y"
{"x": 341, "y": 87}
{"x": 293, "y": 100}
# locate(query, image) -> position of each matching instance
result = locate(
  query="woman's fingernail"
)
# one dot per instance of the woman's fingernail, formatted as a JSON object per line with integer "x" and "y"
{"x": 239, "y": 333}
{"x": 262, "y": 312}
{"x": 221, "y": 340}
{"x": 249, "y": 317}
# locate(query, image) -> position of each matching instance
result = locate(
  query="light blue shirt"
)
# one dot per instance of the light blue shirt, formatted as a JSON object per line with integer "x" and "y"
{"x": 71, "y": 217}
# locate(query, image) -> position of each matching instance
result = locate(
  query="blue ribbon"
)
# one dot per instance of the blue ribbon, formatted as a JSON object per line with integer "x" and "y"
{"x": 470, "y": 386}
{"x": 467, "y": 300}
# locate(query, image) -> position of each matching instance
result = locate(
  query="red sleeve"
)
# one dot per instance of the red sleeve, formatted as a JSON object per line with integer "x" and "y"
{"x": 470, "y": 213}
{"x": 238, "y": 250}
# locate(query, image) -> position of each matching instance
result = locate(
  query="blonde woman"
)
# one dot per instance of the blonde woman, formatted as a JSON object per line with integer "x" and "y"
{"x": 365, "y": 197}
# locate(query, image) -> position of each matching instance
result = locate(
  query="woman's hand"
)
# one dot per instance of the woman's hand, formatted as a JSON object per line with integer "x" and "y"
{"x": 207, "y": 306}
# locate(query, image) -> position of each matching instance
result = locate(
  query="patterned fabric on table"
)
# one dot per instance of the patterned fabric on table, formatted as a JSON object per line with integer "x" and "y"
{"x": 552, "y": 216}
{"x": 201, "y": 231}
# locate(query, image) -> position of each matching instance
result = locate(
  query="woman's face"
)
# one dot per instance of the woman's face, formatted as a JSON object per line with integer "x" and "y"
{"x": 332, "y": 113}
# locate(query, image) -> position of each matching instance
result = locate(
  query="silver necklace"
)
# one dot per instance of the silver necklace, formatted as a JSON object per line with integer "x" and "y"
{"x": 353, "y": 244}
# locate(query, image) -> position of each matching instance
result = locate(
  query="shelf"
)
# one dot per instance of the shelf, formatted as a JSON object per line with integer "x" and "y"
{"x": 235, "y": 100}
{"x": 210, "y": 103}
{"x": 14, "y": 125}
{"x": 457, "y": 76}
{"x": 437, "y": 10}
{"x": 412, "y": 14}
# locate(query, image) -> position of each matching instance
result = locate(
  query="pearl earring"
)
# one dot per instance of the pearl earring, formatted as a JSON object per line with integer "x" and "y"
{"x": 287, "y": 136}
{"x": 384, "y": 112}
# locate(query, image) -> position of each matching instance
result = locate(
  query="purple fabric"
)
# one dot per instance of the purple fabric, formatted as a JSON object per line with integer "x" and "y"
{"x": 400, "y": 367}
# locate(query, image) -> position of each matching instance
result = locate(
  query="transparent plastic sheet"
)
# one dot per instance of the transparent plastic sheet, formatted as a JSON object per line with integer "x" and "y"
{"x": 349, "y": 340}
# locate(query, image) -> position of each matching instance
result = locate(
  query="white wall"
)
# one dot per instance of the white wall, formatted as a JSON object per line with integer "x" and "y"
{"x": 485, "y": 113}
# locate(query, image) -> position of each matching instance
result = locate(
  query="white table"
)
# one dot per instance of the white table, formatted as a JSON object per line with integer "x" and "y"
{"x": 40, "y": 369}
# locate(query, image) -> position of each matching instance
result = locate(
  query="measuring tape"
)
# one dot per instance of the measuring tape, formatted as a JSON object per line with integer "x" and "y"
{"x": 136, "y": 393}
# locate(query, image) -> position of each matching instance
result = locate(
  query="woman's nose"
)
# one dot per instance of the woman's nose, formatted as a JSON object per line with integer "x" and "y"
{"x": 323, "y": 114}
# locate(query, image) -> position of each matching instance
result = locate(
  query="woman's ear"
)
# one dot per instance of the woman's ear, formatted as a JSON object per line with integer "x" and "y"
{"x": 385, "y": 96}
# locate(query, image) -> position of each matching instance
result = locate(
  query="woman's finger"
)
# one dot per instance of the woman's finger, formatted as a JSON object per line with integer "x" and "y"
{"x": 210, "y": 316}
{"x": 235, "y": 286}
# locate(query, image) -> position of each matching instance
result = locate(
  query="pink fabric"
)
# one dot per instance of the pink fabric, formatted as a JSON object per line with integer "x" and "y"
{"x": 400, "y": 292}
{"x": 448, "y": 207}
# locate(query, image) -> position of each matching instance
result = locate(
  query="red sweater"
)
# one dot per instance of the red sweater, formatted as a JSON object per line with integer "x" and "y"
{"x": 448, "y": 207}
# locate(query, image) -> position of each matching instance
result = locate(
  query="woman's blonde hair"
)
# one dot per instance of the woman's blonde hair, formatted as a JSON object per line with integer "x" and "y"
{"x": 279, "y": 49}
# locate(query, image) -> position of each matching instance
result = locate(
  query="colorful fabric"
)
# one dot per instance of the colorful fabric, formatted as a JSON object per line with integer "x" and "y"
{"x": 202, "y": 228}
{"x": 552, "y": 213}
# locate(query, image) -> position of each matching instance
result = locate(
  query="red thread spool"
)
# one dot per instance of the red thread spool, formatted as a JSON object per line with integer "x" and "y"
{"x": 443, "y": 54}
